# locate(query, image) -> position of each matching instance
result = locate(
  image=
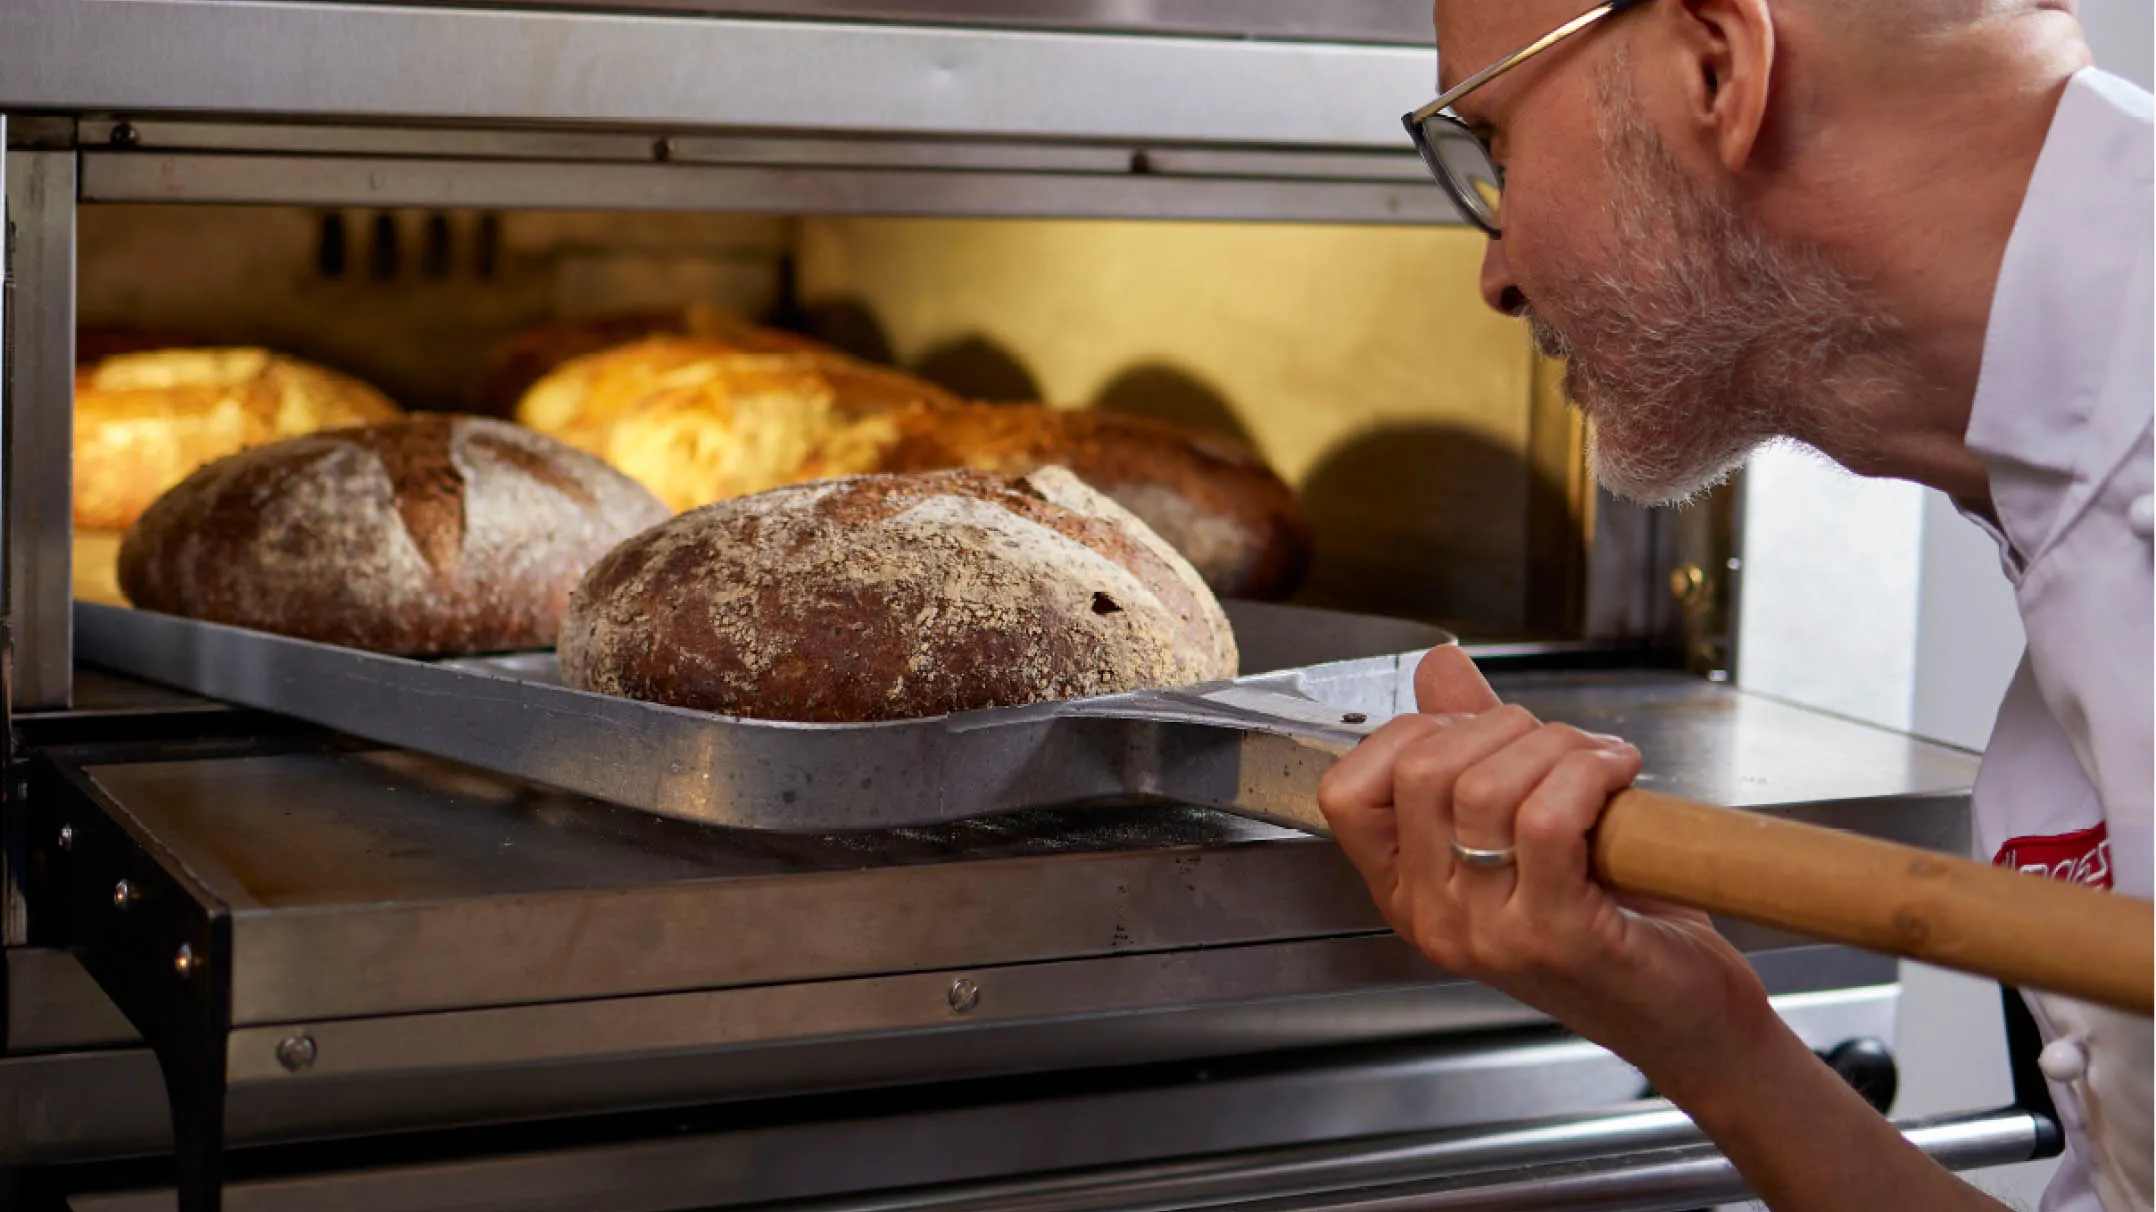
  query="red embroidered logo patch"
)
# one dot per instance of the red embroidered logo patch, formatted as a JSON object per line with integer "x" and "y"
{"x": 2078, "y": 858}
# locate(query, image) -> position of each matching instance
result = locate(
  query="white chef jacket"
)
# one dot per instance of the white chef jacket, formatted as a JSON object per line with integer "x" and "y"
{"x": 2062, "y": 419}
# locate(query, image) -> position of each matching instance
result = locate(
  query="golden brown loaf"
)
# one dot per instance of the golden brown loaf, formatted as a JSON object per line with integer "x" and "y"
{"x": 696, "y": 420}
{"x": 530, "y": 356}
{"x": 889, "y": 597}
{"x": 143, "y": 421}
{"x": 426, "y": 536}
{"x": 581, "y": 400}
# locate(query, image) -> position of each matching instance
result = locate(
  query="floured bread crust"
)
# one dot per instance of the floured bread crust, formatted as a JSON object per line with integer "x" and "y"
{"x": 895, "y": 596}
{"x": 427, "y": 536}
{"x": 145, "y": 419}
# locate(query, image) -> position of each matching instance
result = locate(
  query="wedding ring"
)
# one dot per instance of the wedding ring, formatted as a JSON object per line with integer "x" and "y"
{"x": 1478, "y": 859}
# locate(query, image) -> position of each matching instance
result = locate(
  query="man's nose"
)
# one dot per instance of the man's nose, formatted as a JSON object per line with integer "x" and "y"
{"x": 1498, "y": 288}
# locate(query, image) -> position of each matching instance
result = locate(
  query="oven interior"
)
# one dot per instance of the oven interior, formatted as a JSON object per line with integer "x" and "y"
{"x": 1444, "y": 477}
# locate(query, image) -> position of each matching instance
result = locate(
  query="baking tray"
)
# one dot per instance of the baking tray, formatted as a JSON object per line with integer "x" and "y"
{"x": 1256, "y": 745}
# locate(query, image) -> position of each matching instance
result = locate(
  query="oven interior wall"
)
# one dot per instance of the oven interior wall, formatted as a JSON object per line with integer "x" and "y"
{"x": 1443, "y": 476}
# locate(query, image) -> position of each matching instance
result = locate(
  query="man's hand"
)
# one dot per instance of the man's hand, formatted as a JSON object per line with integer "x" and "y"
{"x": 1654, "y": 983}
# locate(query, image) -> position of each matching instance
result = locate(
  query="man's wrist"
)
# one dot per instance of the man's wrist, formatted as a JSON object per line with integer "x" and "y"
{"x": 1749, "y": 1051}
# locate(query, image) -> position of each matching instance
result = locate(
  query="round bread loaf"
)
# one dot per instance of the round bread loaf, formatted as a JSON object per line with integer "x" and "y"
{"x": 427, "y": 536}
{"x": 894, "y": 596}
{"x": 530, "y": 356}
{"x": 144, "y": 420}
{"x": 584, "y": 397}
{"x": 742, "y": 425}
{"x": 1216, "y": 502}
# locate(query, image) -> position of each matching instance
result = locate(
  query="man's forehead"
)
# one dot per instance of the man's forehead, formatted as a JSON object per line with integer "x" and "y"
{"x": 1472, "y": 34}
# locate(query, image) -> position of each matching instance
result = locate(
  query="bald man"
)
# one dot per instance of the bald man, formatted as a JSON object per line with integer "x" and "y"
{"x": 1916, "y": 235}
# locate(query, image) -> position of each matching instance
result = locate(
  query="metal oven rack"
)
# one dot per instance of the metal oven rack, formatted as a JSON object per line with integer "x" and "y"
{"x": 308, "y": 941}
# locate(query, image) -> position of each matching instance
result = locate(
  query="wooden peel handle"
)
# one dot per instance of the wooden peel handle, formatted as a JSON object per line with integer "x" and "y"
{"x": 2021, "y": 929}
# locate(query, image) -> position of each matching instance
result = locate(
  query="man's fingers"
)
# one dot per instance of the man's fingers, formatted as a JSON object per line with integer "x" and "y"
{"x": 1423, "y": 781}
{"x": 1491, "y": 792}
{"x": 1447, "y": 683}
{"x": 1364, "y": 777}
{"x": 1551, "y": 831}
{"x": 1356, "y": 798}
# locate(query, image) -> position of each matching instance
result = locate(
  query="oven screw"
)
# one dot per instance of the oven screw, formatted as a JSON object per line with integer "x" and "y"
{"x": 1688, "y": 584}
{"x": 295, "y": 1052}
{"x": 1354, "y": 717}
{"x": 662, "y": 149}
{"x": 125, "y": 894}
{"x": 964, "y": 995}
{"x": 125, "y": 135}
{"x": 67, "y": 837}
{"x": 185, "y": 962}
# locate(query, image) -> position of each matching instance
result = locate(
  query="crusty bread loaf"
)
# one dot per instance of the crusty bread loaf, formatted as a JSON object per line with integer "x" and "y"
{"x": 888, "y": 597}
{"x": 143, "y": 421}
{"x": 697, "y": 420}
{"x": 579, "y": 401}
{"x": 530, "y": 356}
{"x": 1214, "y": 501}
{"x": 426, "y": 536}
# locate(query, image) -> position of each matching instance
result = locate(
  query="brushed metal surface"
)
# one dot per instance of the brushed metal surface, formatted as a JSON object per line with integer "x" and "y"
{"x": 214, "y": 177}
{"x": 40, "y": 424}
{"x": 1401, "y": 21}
{"x": 290, "y": 59}
{"x": 1257, "y": 745}
{"x": 392, "y": 882}
{"x": 1643, "y": 1159}
{"x": 1413, "y": 1058}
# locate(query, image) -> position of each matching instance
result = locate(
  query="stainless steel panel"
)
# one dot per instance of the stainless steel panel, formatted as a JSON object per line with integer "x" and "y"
{"x": 976, "y": 1001}
{"x": 1636, "y": 1161}
{"x": 89, "y": 1104}
{"x": 388, "y": 883}
{"x": 232, "y": 178}
{"x": 40, "y": 416}
{"x": 1403, "y": 21}
{"x": 1602, "y": 1164}
{"x": 288, "y": 59}
{"x": 52, "y": 1003}
{"x": 424, "y": 886}
{"x": 154, "y": 134}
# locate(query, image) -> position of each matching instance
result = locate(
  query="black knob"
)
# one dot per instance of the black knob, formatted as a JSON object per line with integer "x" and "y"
{"x": 1868, "y": 1066}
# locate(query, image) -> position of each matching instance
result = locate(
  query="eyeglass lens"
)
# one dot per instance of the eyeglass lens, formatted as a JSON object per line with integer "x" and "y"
{"x": 1460, "y": 156}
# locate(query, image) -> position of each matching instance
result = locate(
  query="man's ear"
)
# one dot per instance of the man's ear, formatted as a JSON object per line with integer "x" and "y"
{"x": 1727, "y": 51}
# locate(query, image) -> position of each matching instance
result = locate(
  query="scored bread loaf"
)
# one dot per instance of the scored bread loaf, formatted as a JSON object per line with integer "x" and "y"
{"x": 1213, "y": 500}
{"x": 894, "y": 596}
{"x": 427, "y": 536}
{"x": 144, "y": 420}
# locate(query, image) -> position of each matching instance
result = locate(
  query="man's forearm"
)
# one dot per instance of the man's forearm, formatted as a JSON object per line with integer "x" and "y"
{"x": 1803, "y": 1139}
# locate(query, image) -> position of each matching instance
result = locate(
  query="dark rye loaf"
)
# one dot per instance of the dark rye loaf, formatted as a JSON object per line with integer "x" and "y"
{"x": 895, "y": 596}
{"x": 428, "y": 536}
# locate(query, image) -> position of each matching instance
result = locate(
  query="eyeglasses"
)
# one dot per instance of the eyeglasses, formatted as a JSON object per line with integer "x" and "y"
{"x": 1456, "y": 155}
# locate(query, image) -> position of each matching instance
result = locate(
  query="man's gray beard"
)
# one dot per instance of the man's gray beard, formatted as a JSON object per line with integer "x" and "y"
{"x": 1707, "y": 338}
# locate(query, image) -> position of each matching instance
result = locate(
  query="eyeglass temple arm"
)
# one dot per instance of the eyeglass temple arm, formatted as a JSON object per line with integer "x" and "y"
{"x": 1522, "y": 55}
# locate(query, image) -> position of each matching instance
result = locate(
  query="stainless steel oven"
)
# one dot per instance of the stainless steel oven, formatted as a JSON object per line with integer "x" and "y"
{"x": 368, "y": 978}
